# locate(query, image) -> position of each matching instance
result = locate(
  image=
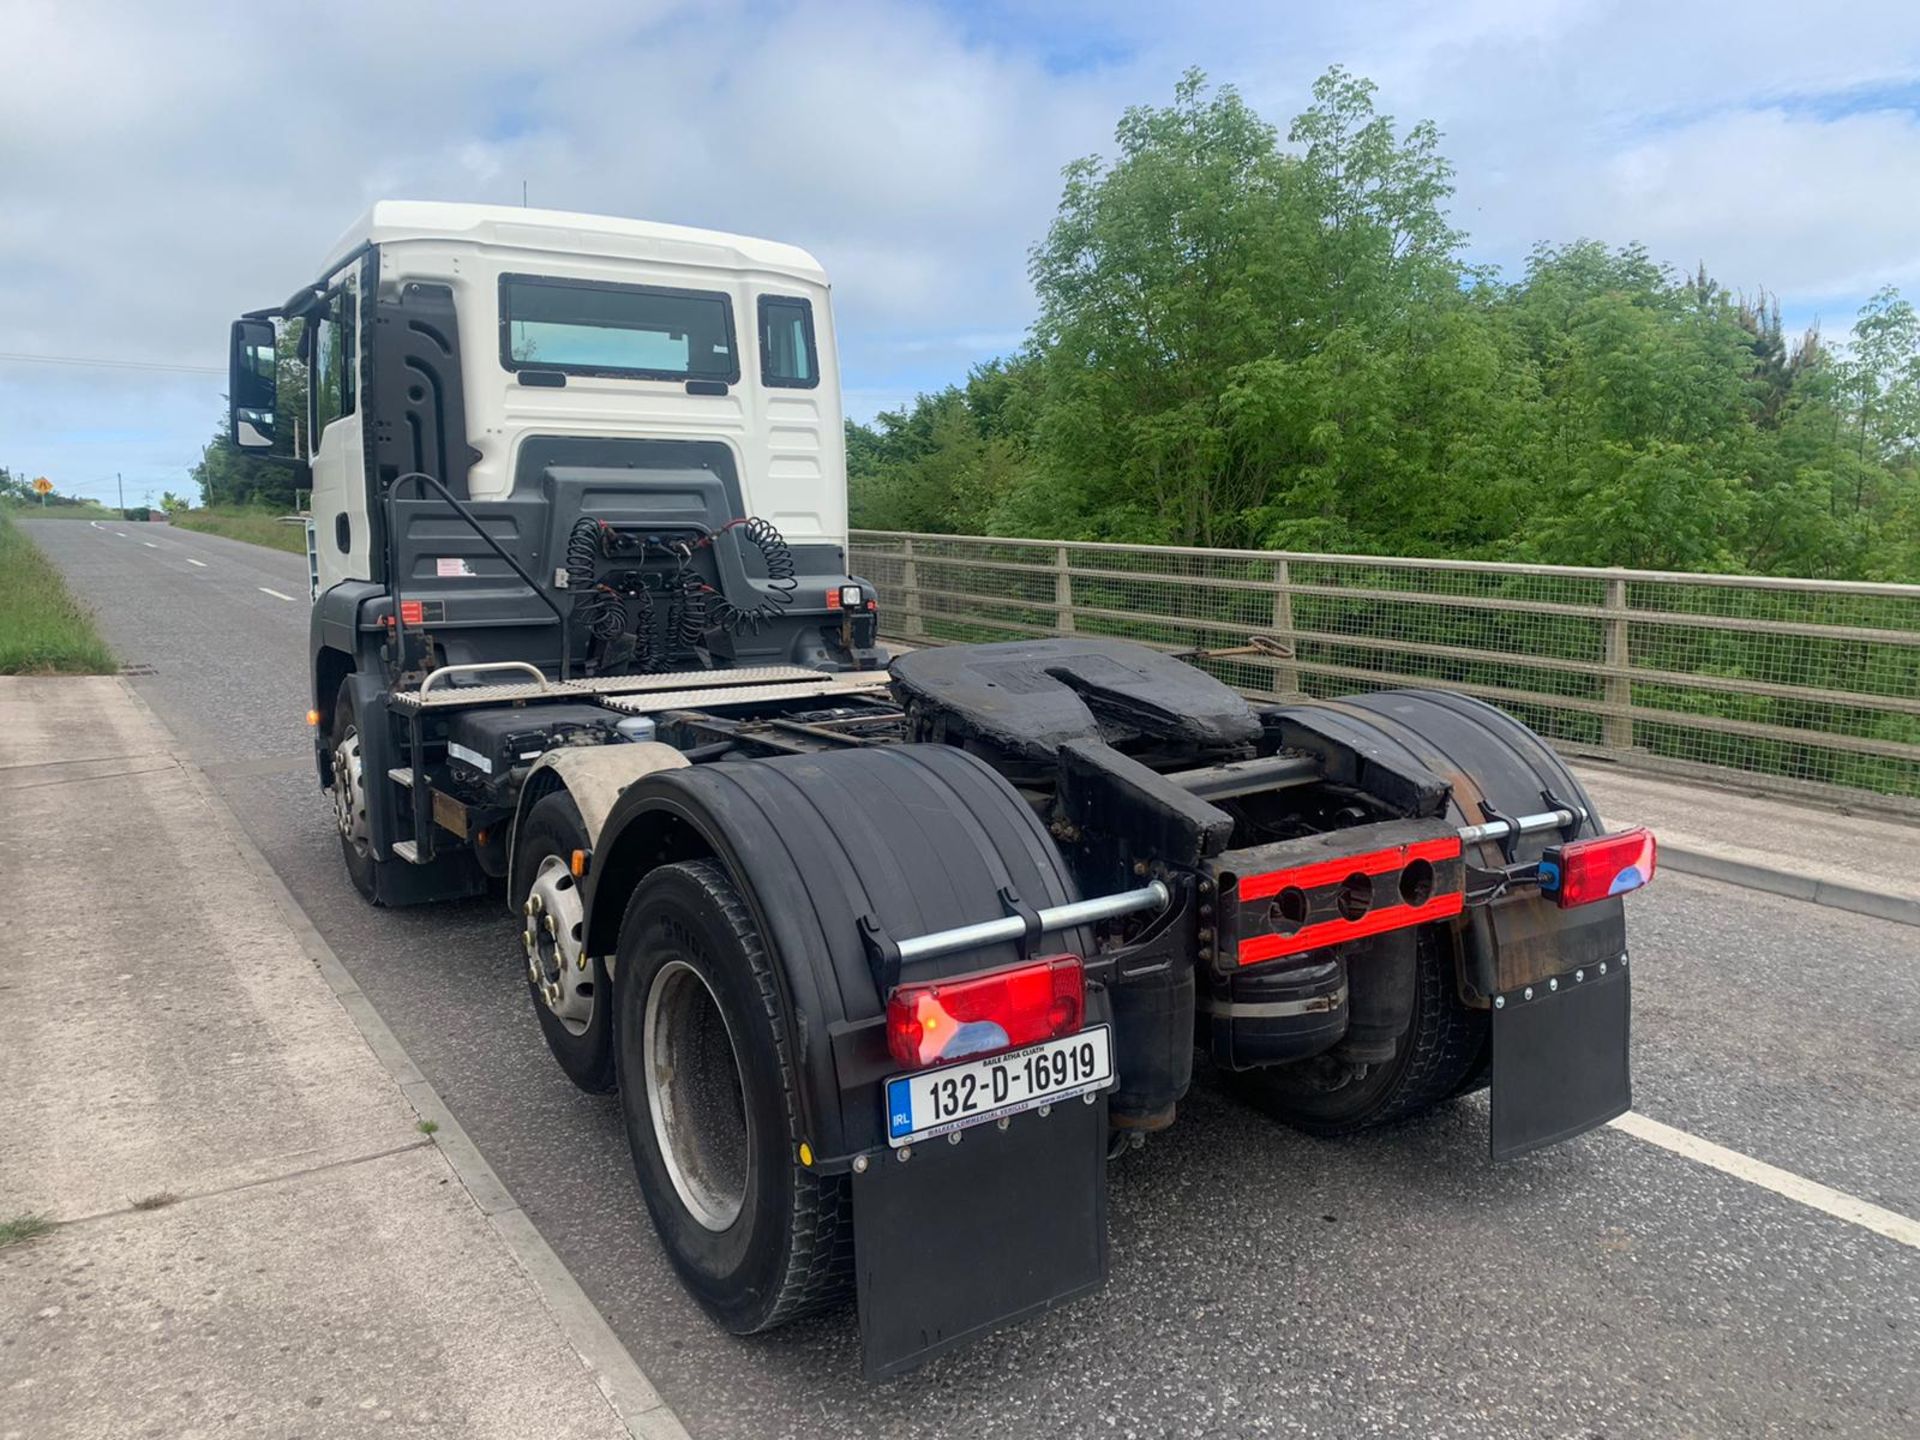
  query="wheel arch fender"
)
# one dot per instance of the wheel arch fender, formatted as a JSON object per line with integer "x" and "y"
{"x": 910, "y": 838}
{"x": 595, "y": 776}
{"x": 1486, "y": 757}
{"x": 337, "y": 650}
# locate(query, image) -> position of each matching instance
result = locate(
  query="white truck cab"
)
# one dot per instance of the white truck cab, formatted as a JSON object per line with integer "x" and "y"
{"x": 576, "y": 326}
{"x": 576, "y": 448}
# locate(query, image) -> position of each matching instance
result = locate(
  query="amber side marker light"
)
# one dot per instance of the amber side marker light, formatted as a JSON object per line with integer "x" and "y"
{"x": 313, "y": 717}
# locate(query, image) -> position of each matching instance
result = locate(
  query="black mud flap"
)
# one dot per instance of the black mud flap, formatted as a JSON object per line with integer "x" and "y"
{"x": 1560, "y": 1059}
{"x": 961, "y": 1239}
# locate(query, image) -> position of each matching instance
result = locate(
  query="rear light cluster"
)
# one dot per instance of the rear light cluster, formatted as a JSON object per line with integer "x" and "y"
{"x": 1587, "y": 870}
{"x": 941, "y": 1020}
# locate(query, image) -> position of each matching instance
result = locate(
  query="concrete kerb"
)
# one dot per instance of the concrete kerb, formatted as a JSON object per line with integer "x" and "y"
{"x": 615, "y": 1372}
{"x": 1831, "y": 893}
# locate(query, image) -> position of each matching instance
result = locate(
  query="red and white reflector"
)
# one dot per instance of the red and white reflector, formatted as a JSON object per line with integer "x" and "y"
{"x": 941, "y": 1020}
{"x": 1584, "y": 871}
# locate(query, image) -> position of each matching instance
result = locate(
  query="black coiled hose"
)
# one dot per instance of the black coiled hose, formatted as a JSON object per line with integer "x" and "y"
{"x": 604, "y": 612}
{"x": 782, "y": 580}
{"x": 646, "y": 654}
{"x": 686, "y": 617}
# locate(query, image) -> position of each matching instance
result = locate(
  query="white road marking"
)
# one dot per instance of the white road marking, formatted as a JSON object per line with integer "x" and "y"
{"x": 123, "y": 534}
{"x": 201, "y": 563}
{"x": 149, "y": 544}
{"x": 275, "y": 593}
{"x": 1811, "y": 1193}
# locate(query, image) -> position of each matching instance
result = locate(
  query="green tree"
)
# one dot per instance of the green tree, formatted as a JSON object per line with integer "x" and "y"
{"x": 1245, "y": 340}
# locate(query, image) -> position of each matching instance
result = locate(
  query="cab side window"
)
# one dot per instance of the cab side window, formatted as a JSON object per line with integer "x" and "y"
{"x": 331, "y": 372}
{"x": 788, "y": 359}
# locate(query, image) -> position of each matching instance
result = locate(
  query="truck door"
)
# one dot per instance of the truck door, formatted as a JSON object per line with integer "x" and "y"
{"x": 342, "y": 530}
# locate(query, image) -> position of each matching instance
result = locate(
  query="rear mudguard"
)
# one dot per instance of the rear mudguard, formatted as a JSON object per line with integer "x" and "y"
{"x": 900, "y": 841}
{"x": 1553, "y": 980}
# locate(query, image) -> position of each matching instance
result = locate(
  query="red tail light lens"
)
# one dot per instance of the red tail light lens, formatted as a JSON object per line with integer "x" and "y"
{"x": 941, "y": 1020}
{"x": 1589, "y": 870}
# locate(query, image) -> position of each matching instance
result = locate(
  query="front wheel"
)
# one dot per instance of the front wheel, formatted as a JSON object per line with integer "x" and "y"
{"x": 568, "y": 987}
{"x": 350, "y": 797}
{"x": 1437, "y": 1057}
{"x": 707, "y": 1089}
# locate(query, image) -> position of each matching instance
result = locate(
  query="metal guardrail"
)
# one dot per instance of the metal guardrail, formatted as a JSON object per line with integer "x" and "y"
{"x": 1801, "y": 686}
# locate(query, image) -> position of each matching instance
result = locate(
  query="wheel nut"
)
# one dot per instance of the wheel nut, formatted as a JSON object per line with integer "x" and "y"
{"x": 534, "y": 904}
{"x": 526, "y": 939}
{"x": 527, "y": 909}
{"x": 550, "y": 926}
{"x": 580, "y": 961}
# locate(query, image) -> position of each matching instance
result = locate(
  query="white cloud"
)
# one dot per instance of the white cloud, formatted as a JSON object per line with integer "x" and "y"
{"x": 164, "y": 166}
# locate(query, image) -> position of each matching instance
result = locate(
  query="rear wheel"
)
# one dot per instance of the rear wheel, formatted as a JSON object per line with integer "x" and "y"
{"x": 708, "y": 1093}
{"x": 568, "y": 987}
{"x": 1435, "y": 1058}
{"x": 350, "y": 796}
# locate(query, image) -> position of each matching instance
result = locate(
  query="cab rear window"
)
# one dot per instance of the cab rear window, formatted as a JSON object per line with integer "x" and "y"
{"x": 590, "y": 327}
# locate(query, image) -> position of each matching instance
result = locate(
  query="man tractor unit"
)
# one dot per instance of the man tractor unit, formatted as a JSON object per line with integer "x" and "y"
{"x": 885, "y": 956}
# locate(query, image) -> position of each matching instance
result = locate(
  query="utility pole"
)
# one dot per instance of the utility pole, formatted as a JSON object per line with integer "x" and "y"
{"x": 123, "y": 493}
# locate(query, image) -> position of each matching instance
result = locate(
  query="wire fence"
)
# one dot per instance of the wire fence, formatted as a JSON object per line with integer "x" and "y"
{"x": 1801, "y": 685}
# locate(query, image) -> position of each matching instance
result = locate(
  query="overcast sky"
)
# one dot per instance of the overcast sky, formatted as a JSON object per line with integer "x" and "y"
{"x": 165, "y": 166}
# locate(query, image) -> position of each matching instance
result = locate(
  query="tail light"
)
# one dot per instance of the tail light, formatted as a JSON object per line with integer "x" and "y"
{"x": 1587, "y": 870}
{"x": 944, "y": 1020}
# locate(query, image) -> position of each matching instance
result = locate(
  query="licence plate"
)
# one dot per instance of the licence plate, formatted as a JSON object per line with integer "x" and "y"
{"x": 939, "y": 1102}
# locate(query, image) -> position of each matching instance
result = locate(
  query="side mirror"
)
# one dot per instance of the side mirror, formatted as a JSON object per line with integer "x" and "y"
{"x": 253, "y": 368}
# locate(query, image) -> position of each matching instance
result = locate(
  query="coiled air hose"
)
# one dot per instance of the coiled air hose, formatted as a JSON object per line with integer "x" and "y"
{"x": 604, "y": 612}
{"x": 782, "y": 580}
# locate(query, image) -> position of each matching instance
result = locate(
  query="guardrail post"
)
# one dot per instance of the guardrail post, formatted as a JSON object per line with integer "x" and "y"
{"x": 1062, "y": 592}
{"x": 1286, "y": 678}
{"x": 910, "y": 621}
{"x": 1617, "y": 729}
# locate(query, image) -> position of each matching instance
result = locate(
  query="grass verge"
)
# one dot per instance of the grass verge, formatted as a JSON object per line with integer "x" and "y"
{"x": 236, "y": 522}
{"x": 33, "y": 510}
{"x": 43, "y": 629}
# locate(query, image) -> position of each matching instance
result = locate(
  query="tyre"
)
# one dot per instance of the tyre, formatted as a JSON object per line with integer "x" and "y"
{"x": 1436, "y": 1058}
{"x": 350, "y": 797}
{"x": 571, "y": 997}
{"x": 708, "y": 1093}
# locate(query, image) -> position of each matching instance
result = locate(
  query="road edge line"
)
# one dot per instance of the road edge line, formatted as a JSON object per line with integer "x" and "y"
{"x": 618, "y": 1376}
{"x": 1834, "y": 894}
{"x": 1890, "y": 1224}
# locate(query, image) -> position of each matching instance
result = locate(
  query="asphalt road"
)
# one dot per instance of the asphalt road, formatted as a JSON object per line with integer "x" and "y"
{"x": 1263, "y": 1283}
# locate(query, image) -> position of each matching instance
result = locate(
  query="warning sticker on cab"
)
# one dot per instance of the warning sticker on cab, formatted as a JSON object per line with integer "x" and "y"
{"x": 448, "y": 566}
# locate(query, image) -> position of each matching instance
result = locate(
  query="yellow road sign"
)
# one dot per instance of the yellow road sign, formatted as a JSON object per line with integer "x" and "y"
{"x": 42, "y": 486}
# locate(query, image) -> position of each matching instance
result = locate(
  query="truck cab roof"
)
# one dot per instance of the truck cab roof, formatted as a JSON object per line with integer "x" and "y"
{"x": 568, "y": 232}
